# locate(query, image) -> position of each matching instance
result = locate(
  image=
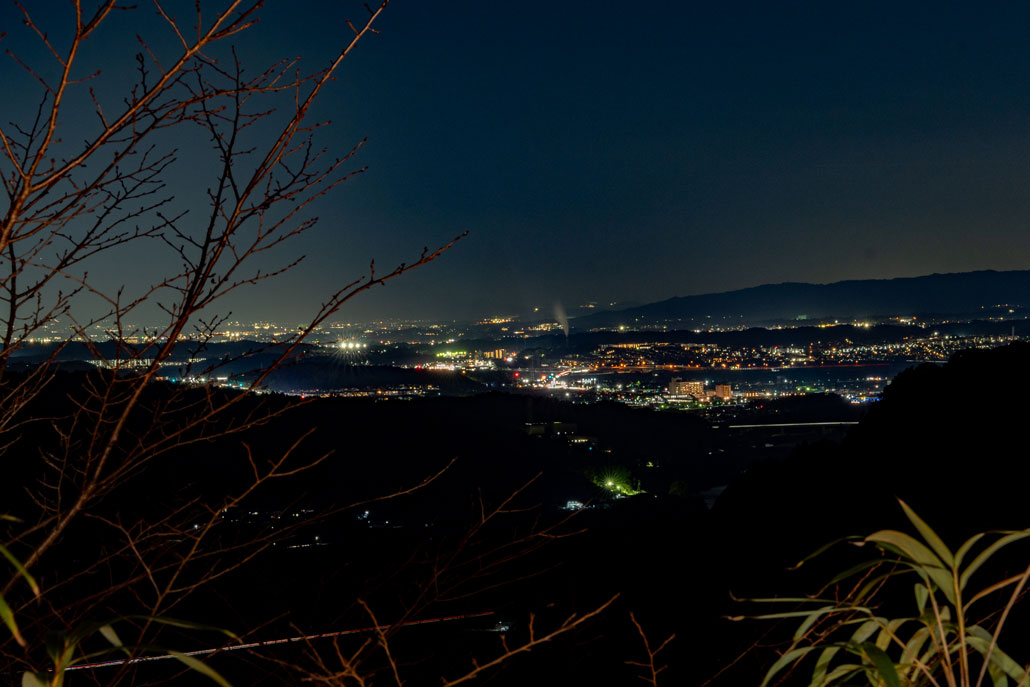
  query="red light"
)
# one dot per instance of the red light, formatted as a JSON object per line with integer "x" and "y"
{"x": 516, "y": 375}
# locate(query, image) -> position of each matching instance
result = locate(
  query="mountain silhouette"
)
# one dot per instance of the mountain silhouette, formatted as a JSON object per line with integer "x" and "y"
{"x": 941, "y": 294}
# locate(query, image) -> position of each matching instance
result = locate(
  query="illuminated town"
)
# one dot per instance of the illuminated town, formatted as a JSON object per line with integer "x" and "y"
{"x": 501, "y": 344}
{"x": 651, "y": 367}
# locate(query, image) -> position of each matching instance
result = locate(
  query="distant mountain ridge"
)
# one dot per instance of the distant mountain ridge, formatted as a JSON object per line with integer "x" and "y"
{"x": 954, "y": 293}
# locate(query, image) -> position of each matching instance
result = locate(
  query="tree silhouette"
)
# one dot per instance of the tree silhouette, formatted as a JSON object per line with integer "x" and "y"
{"x": 107, "y": 535}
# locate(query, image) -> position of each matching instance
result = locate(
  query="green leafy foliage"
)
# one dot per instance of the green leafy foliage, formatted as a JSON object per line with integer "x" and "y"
{"x": 64, "y": 650}
{"x": 6, "y": 613}
{"x": 67, "y": 654}
{"x": 941, "y": 643}
{"x": 200, "y": 667}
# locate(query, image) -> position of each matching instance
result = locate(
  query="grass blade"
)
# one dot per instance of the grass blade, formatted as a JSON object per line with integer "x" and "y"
{"x": 925, "y": 560}
{"x": 20, "y": 568}
{"x": 929, "y": 536}
{"x": 960, "y": 555}
{"x": 986, "y": 554}
{"x": 110, "y": 635}
{"x": 883, "y": 664}
{"x": 785, "y": 660}
{"x": 7, "y": 616}
{"x": 200, "y": 667}
{"x": 186, "y": 624}
{"x": 980, "y": 639}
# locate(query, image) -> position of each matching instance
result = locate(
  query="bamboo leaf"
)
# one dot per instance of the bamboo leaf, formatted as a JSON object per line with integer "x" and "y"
{"x": 65, "y": 659}
{"x": 922, "y": 596}
{"x": 785, "y": 599}
{"x": 865, "y": 631}
{"x": 980, "y": 639}
{"x": 842, "y": 672}
{"x": 110, "y": 635}
{"x": 939, "y": 578}
{"x": 854, "y": 570}
{"x": 794, "y": 614}
{"x": 929, "y": 536}
{"x": 822, "y": 664}
{"x": 813, "y": 616}
{"x": 874, "y": 583}
{"x": 907, "y": 662}
{"x": 54, "y": 646}
{"x": 998, "y": 676}
{"x": 200, "y": 667}
{"x": 7, "y": 616}
{"x": 20, "y": 568}
{"x": 187, "y": 624}
{"x": 924, "y": 559}
{"x": 993, "y": 588}
{"x": 821, "y": 550}
{"x": 31, "y": 680}
{"x": 931, "y": 652}
{"x": 883, "y": 664}
{"x": 986, "y": 554}
{"x": 907, "y": 545}
{"x": 960, "y": 555}
{"x": 889, "y": 631}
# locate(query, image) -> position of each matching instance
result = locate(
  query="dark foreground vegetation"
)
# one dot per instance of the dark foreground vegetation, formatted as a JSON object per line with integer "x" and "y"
{"x": 473, "y": 527}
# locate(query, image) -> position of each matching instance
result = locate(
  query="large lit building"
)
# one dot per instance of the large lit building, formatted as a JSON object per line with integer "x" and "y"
{"x": 724, "y": 391}
{"x": 679, "y": 387}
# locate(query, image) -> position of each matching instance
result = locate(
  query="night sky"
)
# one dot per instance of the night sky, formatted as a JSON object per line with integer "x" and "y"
{"x": 602, "y": 151}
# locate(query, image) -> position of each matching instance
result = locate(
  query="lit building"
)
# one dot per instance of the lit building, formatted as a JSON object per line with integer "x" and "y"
{"x": 724, "y": 391}
{"x": 679, "y": 387}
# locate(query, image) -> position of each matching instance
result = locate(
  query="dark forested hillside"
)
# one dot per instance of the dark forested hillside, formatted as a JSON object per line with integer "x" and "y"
{"x": 947, "y": 439}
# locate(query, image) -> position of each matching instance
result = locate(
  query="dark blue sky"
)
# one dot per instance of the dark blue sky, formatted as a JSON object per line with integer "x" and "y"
{"x": 601, "y": 151}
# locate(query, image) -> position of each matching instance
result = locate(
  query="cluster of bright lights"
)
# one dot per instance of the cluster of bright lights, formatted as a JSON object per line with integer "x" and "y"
{"x": 352, "y": 345}
{"x": 617, "y": 482}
